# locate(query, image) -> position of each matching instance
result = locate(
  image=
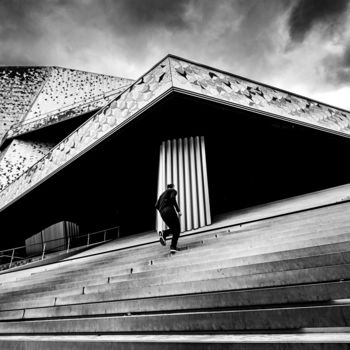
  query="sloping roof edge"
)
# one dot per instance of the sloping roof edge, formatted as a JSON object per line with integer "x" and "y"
{"x": 142, "y": 94}
{"x": 156, "y": 83}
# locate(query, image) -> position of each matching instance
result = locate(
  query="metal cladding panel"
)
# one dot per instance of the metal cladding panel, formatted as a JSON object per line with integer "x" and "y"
{"x": 125, "y": 106}
{"x": 54, "y": 236}
{"x": 18, "y": 88}
{"x": 18, "y": 157}
{"x": 187, "y": 77}
{"x": 68, "y": 93}
{"x": 72, "y": 229}
{"x": 243, "y": 93}
{"x": 34, "y": 244}
{"x": 185, "y": 160}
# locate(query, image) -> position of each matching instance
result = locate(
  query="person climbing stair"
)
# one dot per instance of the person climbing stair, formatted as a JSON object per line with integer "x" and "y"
{"x": 169, "y": 211}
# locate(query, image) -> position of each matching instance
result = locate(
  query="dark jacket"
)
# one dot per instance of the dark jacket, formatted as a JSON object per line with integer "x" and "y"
{"x": 167, "y": 199}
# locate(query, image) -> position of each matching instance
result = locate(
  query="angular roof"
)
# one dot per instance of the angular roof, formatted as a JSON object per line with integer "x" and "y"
{"x": 177, "y": 74}
{"x": 18, "y": 88}
{"x": 55, "y": 94}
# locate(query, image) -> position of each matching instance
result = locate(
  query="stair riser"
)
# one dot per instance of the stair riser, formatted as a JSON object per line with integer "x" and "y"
{"x": 180, "y": 260}
{"x": 324, "y": 274}
{"x": 264, "y": 319}
{"x": 273, "y": 296}
{"x": 218, "y": 262}
{"x": 245, "y": 270}
{"x": 136, "y": 344}
{"x": 237, "y": 238}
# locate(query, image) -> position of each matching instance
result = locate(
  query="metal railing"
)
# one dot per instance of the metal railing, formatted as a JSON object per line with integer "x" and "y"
{"x": 21, "y": 255}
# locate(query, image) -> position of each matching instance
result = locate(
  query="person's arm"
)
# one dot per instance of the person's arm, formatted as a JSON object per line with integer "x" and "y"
{"x": 173, "y": 200}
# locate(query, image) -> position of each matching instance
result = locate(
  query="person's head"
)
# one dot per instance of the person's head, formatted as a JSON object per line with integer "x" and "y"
{"x": 170, "y": 186}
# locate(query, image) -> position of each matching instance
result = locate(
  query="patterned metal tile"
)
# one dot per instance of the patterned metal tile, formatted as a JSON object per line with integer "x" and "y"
{"x": 18, "y": 88}
{"x": 67, "y": 93}
{"x": 226, "y": 87}
{"x": 191, "y": 78}
{"x": 140, "y": 94}
{"x": 18, "y": 157}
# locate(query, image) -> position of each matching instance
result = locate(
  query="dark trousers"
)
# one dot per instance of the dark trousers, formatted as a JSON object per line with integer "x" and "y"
{"x": 171, "y": 219}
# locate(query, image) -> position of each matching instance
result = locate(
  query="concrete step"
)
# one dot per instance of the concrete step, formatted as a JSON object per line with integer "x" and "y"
{"x": 332, "y": 255}
{"x": 212, "y": 262}
{"x": 273, "y": 279}
{"x": 278, "y": 220}
{"x": 247, "y": 267}
{"x": 247, "y": 341}
{"x": 334, "y": 292}
{"x": 313, "y": 223}
{"x": 193, "y": 256}
{"x": 114, "y": 292}
{"x": 279, "y": 318}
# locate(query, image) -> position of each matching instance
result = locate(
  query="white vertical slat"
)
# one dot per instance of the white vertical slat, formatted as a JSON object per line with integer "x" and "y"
{"x": 183, "y": 162}
{"x": 168, "y": 163}
{"x": 188, "y": 199}
{"x": 194, "y": 193}
{"x": 199, "y": 173}
{"x": 164, "y": 226}
{"x": 161, "y": 181}
{"x": 205, "y": 183}
{"x": 174, "y": 164}
{"x": 181, "y": 189}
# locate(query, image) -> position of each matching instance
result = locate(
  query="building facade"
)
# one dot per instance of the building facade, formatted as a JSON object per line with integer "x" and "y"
{"x": 97, "y": 150}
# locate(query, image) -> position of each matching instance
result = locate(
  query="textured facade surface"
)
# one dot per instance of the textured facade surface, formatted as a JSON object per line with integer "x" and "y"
{"x": 184, "y": 76}
{"x": 140, "y": 94}
{"x": 67, "y": 93}
{"x": 18, "y": 157}
{"x": 18, "y": 88}
{"x": 244, "y": 93}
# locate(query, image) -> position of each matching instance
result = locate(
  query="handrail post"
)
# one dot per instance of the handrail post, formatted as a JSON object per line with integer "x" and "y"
{"x": 118, "y": 232}
{"x": 68, "y": 244}
{"x": 88, "y": 239}
{"x": 12, "y": 256}
{"x": 104, "y": 236}
{"x": 43, "y": 255}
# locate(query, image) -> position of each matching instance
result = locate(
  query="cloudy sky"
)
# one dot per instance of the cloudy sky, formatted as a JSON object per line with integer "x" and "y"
{"x": 299, "y": 45}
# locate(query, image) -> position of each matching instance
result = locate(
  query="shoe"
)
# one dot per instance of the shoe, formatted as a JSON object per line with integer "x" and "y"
{"x": 161, "y": 238}
{"x": 173, "y": 250}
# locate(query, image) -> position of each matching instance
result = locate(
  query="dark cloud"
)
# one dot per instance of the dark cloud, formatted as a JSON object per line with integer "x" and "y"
{"x": 126, "y": 37}
{"x": 170, "y": 14}
{"x": 308, "y": 13}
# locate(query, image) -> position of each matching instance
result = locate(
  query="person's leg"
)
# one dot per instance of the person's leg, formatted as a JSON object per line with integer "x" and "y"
{"x": 168, "y": 217}
{"x": 167, "y": 232}
{"x": 176, "y": 233}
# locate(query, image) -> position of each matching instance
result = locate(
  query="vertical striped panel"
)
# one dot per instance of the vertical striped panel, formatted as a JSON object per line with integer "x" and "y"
{"x": 161, "y": 183}
{"x": 174, "y": 163}
{"x": 205, "y": 183}
{"x": 188, "y": 199}
{"x": 181, "y": 188}
{"x": 159, "y": 187}
{"x": 194, "y": 190}
{"x": 200, "y": 189}
{"x": 168, "y": 163}
{"x": 183, "y": 163}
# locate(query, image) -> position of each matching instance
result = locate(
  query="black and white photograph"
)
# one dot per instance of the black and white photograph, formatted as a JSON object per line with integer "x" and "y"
{"x": 174, "y": 174}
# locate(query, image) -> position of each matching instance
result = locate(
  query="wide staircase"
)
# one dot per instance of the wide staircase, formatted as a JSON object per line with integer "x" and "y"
{"x": 274, "y": 283}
